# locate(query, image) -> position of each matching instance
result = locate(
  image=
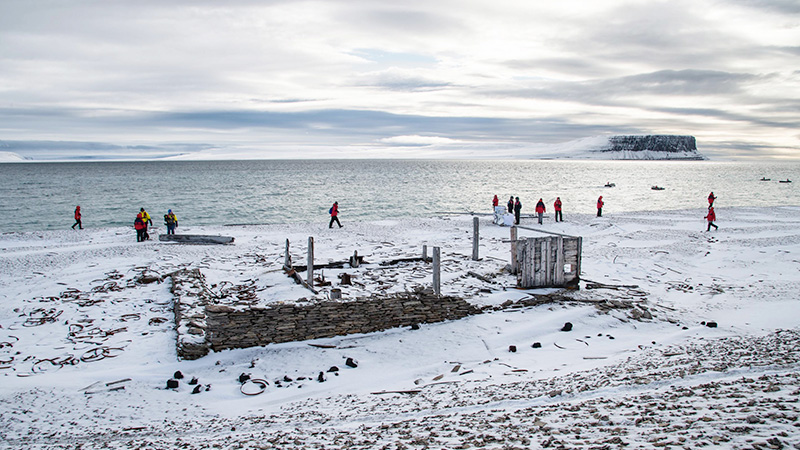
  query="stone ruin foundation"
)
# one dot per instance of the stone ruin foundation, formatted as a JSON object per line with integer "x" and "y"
{"x": 203, "y": 324}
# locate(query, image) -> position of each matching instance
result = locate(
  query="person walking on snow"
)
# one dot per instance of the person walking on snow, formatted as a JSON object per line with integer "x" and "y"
{"x": 511, "y": 204}
{"x": 540, "y": 210}
{"x": 600, "y": 204}
{"x": 557, "y": 207}
{"x": 77, "y": 218}
{"x": 517, "y": 209}
{"x": 147, "y": 221}
{"x": 334, "y": 215}
{"x": 140, "y": 227}
{"x": 711, "y": 217}
{"x": 495, "y": 202}
{"x": 711, "y": 199}
{"x": 170, "y": 221}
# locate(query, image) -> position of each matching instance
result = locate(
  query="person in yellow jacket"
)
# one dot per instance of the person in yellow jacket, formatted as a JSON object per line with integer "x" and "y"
{"x": 147, "y": 221}
{"x": 170, "y": 221}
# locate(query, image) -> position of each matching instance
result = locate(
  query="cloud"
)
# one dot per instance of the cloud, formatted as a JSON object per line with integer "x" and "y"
{"x": 417, "y": 140}
{"x": 354, "y": 72}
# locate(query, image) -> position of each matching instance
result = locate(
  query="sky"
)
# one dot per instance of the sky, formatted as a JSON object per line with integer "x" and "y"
{"x": 354, "y": 78}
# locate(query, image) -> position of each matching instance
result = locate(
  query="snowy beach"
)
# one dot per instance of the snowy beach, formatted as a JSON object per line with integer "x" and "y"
{"x": 680, "y": 338}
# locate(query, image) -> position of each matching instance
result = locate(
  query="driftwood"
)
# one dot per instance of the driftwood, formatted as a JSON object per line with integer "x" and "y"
{"x": 410, "y": 391}
{"x": 480, "y": 277}
{"x": 195, "y": 239}
{"x": 331, "y": 265}
{"x": 298, "y": 279}
{"x": 402, "y": 260}
{"x": 595, "y": 285}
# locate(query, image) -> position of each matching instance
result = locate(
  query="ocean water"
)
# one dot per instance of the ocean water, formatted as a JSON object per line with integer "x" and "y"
{"x": 43, "y": 196}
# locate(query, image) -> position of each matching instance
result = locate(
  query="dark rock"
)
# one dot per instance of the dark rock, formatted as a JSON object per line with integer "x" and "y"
{"x": 350, "y": 362}
{"x": 197, "y": 389}
{"x": 287, "y": 379}
{"x": 537, "y": 345}
{"x": 321, "y": 377}
{"x": 178, "y": 375}
{"x": 415, "y": 326}
{"x": 244, "y": 377}
{"x": 193, "y": 381}
{"x": 333, "y": 369}
{"x": 775, "y": 443}
{"x": 567, "y": 327}
{"x": 711, "y": 324}
{"x": 512, "y": 348}
{"x": 172, "y": 384}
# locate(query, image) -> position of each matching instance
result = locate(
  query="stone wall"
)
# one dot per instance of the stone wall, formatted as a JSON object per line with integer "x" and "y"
{"x": 190, "y": 297}
{"x": 229, "y": 327}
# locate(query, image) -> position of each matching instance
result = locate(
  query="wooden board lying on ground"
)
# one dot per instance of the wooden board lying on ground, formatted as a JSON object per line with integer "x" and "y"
{"x": 195, "y": 238}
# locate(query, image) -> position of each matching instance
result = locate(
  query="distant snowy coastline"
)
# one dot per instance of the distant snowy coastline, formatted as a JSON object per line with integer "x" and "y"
{"x": 10, "y": 157}
{"x": 608, "y": 147}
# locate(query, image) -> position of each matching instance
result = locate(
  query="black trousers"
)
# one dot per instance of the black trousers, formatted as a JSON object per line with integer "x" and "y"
{"x": 140, "y": 235}
{"x": 78, "y": 223}
{"x": 334, "y": 219}
{"x": 559, "y": 217}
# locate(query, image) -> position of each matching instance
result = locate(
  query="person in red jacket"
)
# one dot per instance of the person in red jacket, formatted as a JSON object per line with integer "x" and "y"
{"x": 540, "y": 210}
{"x": 495, "y": 202}
{"x": 77, "y": 218}
{"x": 334, "y": 215}
{"x": 140, "y": 227}
{"x": 557, "y": 207}
{"x": 600, "y": 204}
{"x": 711, "y": 217}
{"x": 711, "y": 199}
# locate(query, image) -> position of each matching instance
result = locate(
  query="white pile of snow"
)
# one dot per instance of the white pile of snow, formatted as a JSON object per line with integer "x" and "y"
{"x": 10, "y": 157}
{"x": 75, "y": 314}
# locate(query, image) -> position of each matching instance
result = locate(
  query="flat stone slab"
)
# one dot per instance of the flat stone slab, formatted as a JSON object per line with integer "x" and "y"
{"x": 195, "y": 238}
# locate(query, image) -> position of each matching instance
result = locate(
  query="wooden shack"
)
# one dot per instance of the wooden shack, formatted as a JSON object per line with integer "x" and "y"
{"x": 553, "y": 260}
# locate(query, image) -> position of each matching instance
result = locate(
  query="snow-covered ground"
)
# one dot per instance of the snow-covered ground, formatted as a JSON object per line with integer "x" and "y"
{"x": 640, "y": 368}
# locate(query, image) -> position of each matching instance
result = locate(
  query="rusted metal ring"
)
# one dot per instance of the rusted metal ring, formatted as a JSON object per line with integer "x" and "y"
{"x": 157, "y": 320}
{"x": 95, "y": 354}
{"x": 262, "y": 386}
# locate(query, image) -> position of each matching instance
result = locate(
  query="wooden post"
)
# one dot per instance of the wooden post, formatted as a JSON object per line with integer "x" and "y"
{"x": 528, "y": 263}
{"x": 424, "y": 252}
{"x": 514, "y": 265}
{"x": 578, "y": 268}
{"x": 437, "y": 274}
{"x": 559, "y": 275}
{"x": 310, "y": 278}
{"x": 287, "y": 259}
{"x": 547, "y": 263}
{"x": 475, "y": 238}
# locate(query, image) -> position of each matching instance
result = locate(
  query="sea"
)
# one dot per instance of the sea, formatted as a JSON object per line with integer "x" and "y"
{"x": 42, "y": 195}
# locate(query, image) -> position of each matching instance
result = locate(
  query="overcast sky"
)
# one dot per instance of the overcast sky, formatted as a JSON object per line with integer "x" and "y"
{"x": 307, "y": 78}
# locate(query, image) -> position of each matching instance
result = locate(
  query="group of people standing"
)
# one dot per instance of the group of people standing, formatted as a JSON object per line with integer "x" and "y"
{"x": 143, "y": 220}
{"x": 140, "y": 224}
{"x": 515, "y": 207}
